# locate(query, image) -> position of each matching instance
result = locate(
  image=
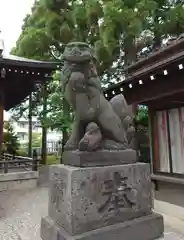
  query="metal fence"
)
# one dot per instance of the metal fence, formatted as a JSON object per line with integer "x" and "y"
{"x": 52, "y": 148}
{"x": 11, "y": 163}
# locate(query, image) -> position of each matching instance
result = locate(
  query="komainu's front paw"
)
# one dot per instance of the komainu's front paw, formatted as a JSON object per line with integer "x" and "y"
{"x": 83, "y": 145}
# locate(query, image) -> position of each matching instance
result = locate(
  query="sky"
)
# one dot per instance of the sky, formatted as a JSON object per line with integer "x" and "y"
{"x": 12, "y": 13}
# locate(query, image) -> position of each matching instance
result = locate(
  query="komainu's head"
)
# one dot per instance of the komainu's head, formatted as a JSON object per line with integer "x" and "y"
{"x": 79, "y": 57}
{"x": 77, "y": 52}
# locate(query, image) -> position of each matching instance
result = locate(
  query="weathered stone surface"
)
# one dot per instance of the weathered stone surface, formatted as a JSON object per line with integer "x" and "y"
{"x": 82, "y": 89}
{"x": 99, "y": 158}
{"x": 2, "y": 212}
{"x": 4, "y": 177}
{"x": 84, "y": 199}
{"x": 18, "y": 180}
{"x": 171, "y": 236}
{"x": 144, "y": 228}
{"x": 44, "y": 176}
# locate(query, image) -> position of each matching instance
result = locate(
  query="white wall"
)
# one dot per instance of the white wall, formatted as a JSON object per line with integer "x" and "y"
{"x": 21, "y": 128}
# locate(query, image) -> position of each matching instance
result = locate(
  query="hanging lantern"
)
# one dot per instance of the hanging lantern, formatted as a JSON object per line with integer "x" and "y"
{"x": 3, "y": 73}
{"x": 1, "y": 44}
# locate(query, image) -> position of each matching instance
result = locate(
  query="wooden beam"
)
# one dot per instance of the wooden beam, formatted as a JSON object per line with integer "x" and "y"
{"x": 167, "y": 102}
{"x": 173, "y": 49}
{"x": 158, "y": 88}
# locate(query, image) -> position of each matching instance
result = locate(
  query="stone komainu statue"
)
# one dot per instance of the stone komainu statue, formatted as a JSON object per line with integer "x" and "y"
{"x": 99, "y": 124}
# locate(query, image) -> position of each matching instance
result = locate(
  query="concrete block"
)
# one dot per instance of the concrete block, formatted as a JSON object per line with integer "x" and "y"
{"x": 5, "y": 177}
{"x": 99, "y": 158}
{"x": 18, "y": 180}
{"x": 144, "y": 228}
{"x": 18, "y": 185}
{"x": 44, "y": 176}
{"x": 84, "y": 199}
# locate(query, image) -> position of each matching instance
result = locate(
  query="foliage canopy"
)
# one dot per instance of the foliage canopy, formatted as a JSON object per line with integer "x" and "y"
{"x": 120, "y": 31}
{"x": 10, "y": 139}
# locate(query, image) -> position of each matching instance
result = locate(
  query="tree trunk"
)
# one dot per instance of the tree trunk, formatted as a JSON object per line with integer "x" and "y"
{"x": 30, "y": 126}
{"x": 44, "y": 146}
{"x": 157, "y": 35}
{"x": 44, "y": 128}
{"x": 130, "y": 58}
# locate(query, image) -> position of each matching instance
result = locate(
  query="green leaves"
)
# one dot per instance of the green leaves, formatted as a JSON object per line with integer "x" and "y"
{"x": 79, "y": 16}
{"x": 33, "y": 43}
{"x": 142, "y": 115}
{"x": 53, "y": 24}
{"x": 10, "y": 139}
{"x": 94, "y": 11}
{"x": 101, "y": 51}
{"x": 175, "y": 20}
{"x": 66, "y": 33}
{"x": 54, "y": 5}
{"x": 118, "y": 30}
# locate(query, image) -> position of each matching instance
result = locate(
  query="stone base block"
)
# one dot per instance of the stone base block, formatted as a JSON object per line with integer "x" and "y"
{"x": 145, "y": 228}
{"x": 99, "y": 158}
{"x": 84, "y": 199}
{"x": 44, "y": 176}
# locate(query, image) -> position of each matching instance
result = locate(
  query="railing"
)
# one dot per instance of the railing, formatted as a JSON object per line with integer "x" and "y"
{"x": 16, "y": 163}
{"x": 50, "y": 149}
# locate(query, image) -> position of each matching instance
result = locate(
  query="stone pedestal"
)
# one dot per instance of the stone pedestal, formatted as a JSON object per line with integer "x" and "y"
{"x": 105, "y": 203}
{"x": 100, "y": 158}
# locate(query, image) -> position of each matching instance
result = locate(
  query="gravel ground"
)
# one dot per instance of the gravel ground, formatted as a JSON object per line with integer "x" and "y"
{"x": 24, "y": 209}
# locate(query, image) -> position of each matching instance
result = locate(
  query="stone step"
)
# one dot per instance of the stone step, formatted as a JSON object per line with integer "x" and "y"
{"x": 144, "y": 228}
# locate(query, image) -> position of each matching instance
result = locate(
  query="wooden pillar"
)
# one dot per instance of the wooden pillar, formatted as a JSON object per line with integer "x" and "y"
{"x": 1, "y": 117}
{"x": 30, "y": 126}
{"x": 136, "y": 144}
{"x": 44, "y": 128}
{"x": 151, "y": 139}
{"x": 154, "y": 145}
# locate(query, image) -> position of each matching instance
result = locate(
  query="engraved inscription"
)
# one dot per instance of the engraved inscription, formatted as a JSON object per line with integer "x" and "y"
{"x": 121, "y": 196}
{"x": 57, "y": 192}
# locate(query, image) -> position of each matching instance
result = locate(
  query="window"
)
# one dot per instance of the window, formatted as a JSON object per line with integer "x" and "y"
{"x": 21, "y": 125}
{"x": 170, "y": 138}
{"x": 21, "y": 136}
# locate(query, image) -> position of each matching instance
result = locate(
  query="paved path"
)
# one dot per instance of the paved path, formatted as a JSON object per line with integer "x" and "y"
{"x": 24, "y": 210}
{"x": 23, "y": 213}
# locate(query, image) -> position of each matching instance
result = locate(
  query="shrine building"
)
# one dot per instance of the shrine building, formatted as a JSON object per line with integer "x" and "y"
{"x": 157, "y": 82}
{"x": 18, "y": 78}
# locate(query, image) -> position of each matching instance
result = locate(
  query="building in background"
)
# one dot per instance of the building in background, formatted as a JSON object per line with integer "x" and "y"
{"x": 21, "y": 128}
